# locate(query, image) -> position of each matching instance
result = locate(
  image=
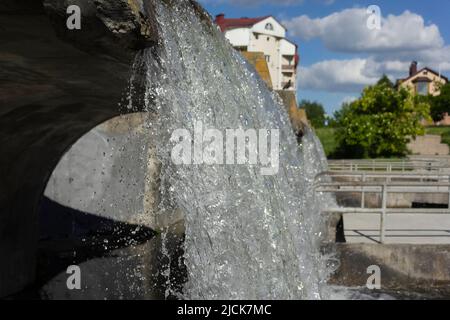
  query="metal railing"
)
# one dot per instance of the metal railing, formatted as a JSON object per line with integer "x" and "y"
{"x": 389, "y": 184}
{"x": 405, "y": 165}
{"x": 287, "y": 67}
{"x": 363, "y": 176}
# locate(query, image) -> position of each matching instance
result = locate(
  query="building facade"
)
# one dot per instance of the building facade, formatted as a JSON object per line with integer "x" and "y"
{"x": 267, "y": 36}
{"x": 423, "y": 82}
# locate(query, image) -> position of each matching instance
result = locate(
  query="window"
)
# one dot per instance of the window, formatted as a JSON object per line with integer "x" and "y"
{"x": 267, "y": 58}
{"x": 268, "y": 38}
{"x": 241, "y": 48}
{"x": 422, "y": 88}
{"x": 288, "y": 60}
{"x": 269, "y": 26}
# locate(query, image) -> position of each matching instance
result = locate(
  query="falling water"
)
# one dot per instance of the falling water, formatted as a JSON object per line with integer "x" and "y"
{"x": 315, "y": 164}
{"x": 248, "y": 236}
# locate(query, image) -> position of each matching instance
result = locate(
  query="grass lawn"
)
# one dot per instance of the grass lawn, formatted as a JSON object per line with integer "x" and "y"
{"x": 444, "y": 132}
{"x": 328, "y": 138}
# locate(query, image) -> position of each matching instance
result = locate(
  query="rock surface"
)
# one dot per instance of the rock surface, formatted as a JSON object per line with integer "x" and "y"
{"x": 113, "y": 27}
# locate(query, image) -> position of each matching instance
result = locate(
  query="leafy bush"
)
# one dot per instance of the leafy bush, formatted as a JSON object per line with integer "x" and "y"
{"x": 440, "y": 104}
{"x": 380, "y": 123}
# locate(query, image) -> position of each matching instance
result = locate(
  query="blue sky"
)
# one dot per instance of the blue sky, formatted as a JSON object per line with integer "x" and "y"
{"x": 339, "y": 54}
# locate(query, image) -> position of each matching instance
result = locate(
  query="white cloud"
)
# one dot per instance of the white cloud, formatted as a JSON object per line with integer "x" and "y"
{"x": 352, "y": 75}
{"x": 336, "y": 76}
{"x": 347, "y": 31}
{"x": 390, "y": 50}
{"x": 402, "y": 39}
{"x": 348, "y": 99}
{"x": 263, "y": 2}
{"x": 397, "y": 68}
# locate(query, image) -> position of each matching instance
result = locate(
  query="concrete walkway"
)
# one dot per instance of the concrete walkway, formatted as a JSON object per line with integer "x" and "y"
{"x": 405, "y": 228}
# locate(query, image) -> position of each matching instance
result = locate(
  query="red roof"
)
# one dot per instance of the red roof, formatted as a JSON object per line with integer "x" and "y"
{"x": 226, "y": 24}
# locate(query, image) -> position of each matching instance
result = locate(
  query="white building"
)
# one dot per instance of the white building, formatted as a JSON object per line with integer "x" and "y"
{"x": 267, "y": 35}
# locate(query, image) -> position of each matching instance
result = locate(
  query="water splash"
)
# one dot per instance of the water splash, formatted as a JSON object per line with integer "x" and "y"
{"x": 248, "y": 236}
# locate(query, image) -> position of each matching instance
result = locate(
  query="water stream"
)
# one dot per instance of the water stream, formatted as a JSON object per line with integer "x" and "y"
{"x": 248, "y": 235}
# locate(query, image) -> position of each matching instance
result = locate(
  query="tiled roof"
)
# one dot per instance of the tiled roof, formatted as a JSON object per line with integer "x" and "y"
{"x": 226, "y": 24}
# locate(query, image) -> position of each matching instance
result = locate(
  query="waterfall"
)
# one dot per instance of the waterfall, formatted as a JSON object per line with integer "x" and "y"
{"x": 247, "y": 235}
{"x": 314, "y": 163}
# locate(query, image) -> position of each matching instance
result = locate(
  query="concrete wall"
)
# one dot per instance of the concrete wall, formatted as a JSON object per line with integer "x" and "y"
{"x": 105, "y": 172}
{"x": 428, "y": 145}
{"x": 112, "y": 172}
{"x": 409, "y": 268}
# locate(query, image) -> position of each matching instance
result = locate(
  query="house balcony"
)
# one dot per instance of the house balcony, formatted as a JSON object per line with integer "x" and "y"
{"x": 288, "y": 68}
{"x": 285, "y": 83}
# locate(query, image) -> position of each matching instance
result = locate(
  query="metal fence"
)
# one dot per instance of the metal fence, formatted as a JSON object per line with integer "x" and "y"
{"x": 384, "y": 184}
{"x": 405, "y": 165}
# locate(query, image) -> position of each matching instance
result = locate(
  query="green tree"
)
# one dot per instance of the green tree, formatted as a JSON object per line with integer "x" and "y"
{"x": 440, "y": 104}
{"x": 380, "y": 123}
{"x": 385, "y": 80}
{"x": 339, "y": 114}
{"x": 314, "y": 112}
